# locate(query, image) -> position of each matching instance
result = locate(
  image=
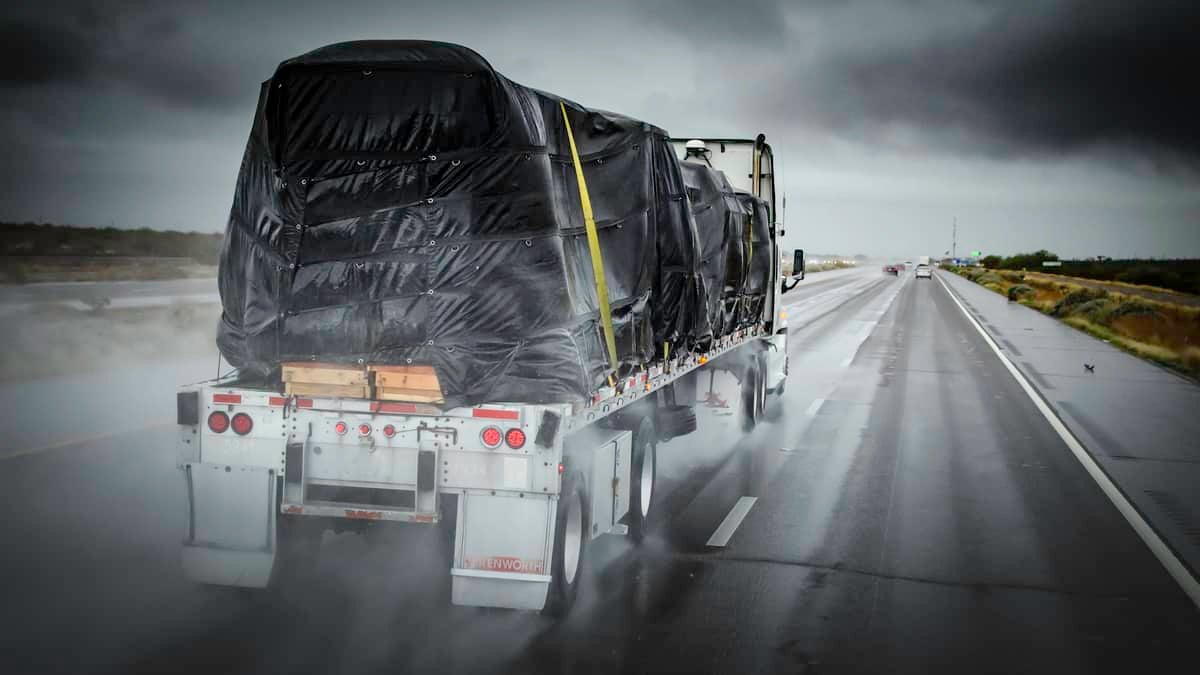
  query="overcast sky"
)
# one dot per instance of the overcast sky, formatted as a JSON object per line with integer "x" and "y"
{"x": 1064, "y": 125}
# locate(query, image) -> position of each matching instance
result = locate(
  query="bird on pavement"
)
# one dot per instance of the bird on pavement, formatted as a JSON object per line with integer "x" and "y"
{"x": 1091, "y": 368}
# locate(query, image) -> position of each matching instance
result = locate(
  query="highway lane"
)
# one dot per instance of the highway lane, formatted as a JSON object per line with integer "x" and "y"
{"x": 913, "y": 514}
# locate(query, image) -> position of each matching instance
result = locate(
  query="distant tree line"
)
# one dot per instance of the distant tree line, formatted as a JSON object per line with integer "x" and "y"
{"x": 40, "y": 239}
{"x": 1176, "y": 274}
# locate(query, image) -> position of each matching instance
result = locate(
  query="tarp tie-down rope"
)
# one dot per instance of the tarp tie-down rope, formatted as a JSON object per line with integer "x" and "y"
{"x": 593, "y": 240}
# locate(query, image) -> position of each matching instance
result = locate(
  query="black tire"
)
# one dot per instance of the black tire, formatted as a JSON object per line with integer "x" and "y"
{"x": 643, "y": 467}
{"x": 676, "y": 420}
{"x": 564, "y": 587}
{"x": 754, "y": 393}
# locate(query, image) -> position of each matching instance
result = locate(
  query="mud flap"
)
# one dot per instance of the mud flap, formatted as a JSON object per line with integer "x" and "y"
{"x": 232, "y": 517}
{"x": 502, "y": 551}
{"x": 776, "y": 362}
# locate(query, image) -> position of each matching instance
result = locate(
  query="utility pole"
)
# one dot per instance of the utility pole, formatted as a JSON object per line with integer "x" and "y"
{"x": 954, "y": 239}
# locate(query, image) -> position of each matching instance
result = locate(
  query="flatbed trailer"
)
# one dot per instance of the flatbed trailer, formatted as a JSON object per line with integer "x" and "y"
{"x": 521, "y": 487}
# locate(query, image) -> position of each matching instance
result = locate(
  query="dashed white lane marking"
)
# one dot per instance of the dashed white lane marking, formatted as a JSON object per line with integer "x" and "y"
{"x": 732, "y": 520}
{"x": 814, "y": 407}
{"x": 1157, "y": 546}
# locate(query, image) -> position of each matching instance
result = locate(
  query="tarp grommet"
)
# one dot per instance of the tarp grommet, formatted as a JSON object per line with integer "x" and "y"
{"x": 304, "y": 181}
{"x": 529, "y": 242}
{"x": 429, "y": 200}
{"x": 455, "y": 162}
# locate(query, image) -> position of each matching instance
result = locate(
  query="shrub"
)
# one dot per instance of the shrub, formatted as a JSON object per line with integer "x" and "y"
{"x": 1019, "y": 291}
{"x": 1074, "y": 299}
{"x": 1096, "y": 311}
{"x": 1132, "y": 308}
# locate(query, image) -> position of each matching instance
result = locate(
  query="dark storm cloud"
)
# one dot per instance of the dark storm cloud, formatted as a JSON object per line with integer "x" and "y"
{"x": 94, "y": 46}
{"x": 1040, "y": 79}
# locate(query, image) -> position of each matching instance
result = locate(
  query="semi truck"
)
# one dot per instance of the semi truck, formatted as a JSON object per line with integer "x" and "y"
{"x": 519, "y": 488}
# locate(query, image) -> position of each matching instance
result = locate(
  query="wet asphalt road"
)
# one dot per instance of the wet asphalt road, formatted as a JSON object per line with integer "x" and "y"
{"x": 914, "y": 514}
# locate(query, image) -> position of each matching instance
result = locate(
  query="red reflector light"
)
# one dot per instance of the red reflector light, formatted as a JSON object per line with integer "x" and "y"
{"x": 242, "y": 424}
{"x": 227, "y": 398}
{"x": 562, "y": 468}
{"x": 218, "y": 422}
{"x": 491, "y": 437}
{"x": 340, "y": 427}
{"x": 364, "y": 430}
{"x": 494, "y": 414}
{"x": 515, "y": 438}
{"x": 389, "y": 431}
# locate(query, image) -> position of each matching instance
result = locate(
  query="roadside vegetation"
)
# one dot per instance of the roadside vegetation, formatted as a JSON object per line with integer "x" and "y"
{"x": 32, "y": 252}
{"x": 1165, "y": 332}
{"x": 1181, "y": 275}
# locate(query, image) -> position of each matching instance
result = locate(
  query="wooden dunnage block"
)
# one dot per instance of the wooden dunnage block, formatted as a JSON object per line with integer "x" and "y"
{"x": 417, "y": 384}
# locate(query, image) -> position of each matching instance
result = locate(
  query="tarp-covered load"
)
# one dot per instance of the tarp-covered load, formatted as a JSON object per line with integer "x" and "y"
{"x": 401, "y": 202}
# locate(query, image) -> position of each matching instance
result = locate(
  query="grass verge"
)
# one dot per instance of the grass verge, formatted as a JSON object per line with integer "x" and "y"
{"x": 1163, "y": 332}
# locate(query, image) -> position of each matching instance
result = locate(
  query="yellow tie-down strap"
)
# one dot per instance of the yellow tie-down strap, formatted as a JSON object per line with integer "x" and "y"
{"x": 593, "y": 239}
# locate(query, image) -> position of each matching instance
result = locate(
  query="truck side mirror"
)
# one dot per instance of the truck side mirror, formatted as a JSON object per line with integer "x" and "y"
{"x": 798, "y": 263}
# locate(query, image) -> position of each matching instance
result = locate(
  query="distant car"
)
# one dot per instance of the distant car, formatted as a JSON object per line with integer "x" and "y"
{"x": 890, "y": 269}
{"x": 924, "y": 271}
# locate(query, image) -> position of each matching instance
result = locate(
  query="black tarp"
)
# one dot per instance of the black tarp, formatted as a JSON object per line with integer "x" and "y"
{"x": 760, "y": 255}
{"x": 721, "y": 222}
{"x": 401, "y": 202}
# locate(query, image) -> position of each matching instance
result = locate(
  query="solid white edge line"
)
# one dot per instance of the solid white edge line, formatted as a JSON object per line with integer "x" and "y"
{"x": 720, "y": 537}
{"x": 1157, "y": 546}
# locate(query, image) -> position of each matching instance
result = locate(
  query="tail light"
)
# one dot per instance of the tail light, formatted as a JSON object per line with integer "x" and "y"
{"x": 389, "y": 431}
{"x": 364, "y": 429}
{"x": 491, "y": 436}
{"x": 218, "y": 422}
{"x": 515, "y": 439}
{"x": 242, "y": 424}
{"x": 340, "y": 428}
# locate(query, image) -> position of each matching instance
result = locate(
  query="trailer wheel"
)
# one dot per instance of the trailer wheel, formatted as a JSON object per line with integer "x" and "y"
{"x": 572, "y": 530}
{"x": 642, "y": 473}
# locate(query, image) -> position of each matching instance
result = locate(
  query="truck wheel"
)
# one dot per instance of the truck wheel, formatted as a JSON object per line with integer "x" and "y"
{"x": 642, "y": 473}
{"x": 297, "y": 545}
{"x": 773, "y": 404}
{"x": 572, "y": 530}
{"x": 676, "y": 420}
{"x": 753, "y": 396}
